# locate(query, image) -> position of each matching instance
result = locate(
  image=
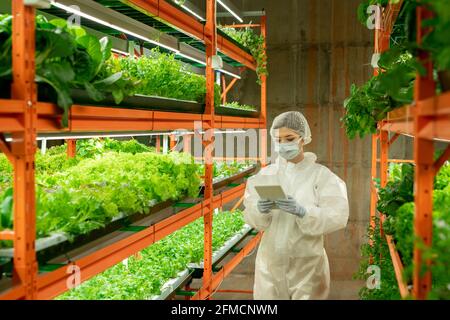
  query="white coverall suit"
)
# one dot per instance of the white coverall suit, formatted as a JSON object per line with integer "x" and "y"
{"x": 291, "y": 263}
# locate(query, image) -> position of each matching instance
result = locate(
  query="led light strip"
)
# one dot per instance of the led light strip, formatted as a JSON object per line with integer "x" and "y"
{"x": 120, "y": 52}
{"x": 191, "y": 58}
{"x": 193, "y": 13}
{"x": 230, "y": 11}
{"x": 204, "y": 64}
{"x": 105, "y": 23}
{"x": 230, "y": 73}
{"x": 119, "y": 135}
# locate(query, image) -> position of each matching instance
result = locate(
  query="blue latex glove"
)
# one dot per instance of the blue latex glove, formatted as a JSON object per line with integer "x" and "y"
{"x": 291, "y": 206}
{"x": 264, "y": 206}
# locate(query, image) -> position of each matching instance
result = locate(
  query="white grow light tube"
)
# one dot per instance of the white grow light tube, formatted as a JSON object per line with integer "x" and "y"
{"x": 107, "y": 24}
{"x": 193, "y": 13}
{"x": 230, "y": 73}
{"x": 230, "y": 11}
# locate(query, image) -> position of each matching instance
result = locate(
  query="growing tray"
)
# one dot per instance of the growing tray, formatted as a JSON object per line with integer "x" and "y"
{"x": 137, "y": 101}
{"x": 144, "y": 102}
{"x": 172, "y": 285}
{"x": 141, "y": 102}
{"x": 233, "y": 112}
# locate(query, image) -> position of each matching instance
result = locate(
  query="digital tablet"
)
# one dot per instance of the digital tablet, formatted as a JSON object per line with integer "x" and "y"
{"x": 270, "y": 192}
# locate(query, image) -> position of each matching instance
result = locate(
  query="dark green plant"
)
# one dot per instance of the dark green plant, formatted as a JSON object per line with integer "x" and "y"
{"x": 397, "y": 191}
{"x": 66, "y": 57}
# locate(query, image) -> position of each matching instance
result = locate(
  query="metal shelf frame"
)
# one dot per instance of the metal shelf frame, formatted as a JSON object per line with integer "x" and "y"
{"x": 427, "y": 121}
{"x": 23, "y": 116}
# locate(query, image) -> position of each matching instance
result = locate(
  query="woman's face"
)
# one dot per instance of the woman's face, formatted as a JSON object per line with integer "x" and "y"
{"x": 289, "y": 137}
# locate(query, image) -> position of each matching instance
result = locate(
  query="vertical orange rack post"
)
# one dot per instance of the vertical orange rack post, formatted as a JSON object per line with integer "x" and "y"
{"x": 23, "y": 147}
{"x": 71, "y": 148}
{"x": 211, "y": 50}
{"x": 212, "y": 281}
{"x": 424, "y": 172}
{"x": 263, "y": 114}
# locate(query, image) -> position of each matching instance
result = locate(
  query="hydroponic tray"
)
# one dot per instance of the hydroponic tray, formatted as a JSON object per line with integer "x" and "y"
{"x": 143, "y": 102}
{"x": 172, "y": 285}
{"x": 139, "y": 101}
{"x": 234, "y": 112}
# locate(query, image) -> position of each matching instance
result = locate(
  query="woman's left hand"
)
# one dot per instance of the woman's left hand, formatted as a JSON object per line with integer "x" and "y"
{"x": 291, "y": 206}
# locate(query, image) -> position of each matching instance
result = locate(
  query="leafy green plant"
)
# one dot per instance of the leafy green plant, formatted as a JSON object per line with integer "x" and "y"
{"x": 92, "y": 148}
{"x": 87, "y": 196}
{"x": 5, "y": 45}
{"x": 255, "y": 43}
{"x": 398, "y": 190}
{"x": 160, "y": 75}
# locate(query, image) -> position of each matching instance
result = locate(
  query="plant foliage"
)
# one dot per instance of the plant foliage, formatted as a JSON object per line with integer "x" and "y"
{"x": 144, "y": 274}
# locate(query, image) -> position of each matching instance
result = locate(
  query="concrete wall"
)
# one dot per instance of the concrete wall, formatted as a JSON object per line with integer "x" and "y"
{"x": 316, "y": 50}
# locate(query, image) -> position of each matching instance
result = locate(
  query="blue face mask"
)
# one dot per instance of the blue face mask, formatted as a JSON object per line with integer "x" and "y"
{"x": 288, "y": 150}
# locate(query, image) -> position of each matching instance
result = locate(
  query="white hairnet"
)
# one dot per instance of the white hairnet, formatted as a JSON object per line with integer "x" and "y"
{"x": 295, "y": 121}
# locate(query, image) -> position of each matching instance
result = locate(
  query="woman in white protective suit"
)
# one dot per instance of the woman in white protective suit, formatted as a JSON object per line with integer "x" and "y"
{"x": 291, "y": 263}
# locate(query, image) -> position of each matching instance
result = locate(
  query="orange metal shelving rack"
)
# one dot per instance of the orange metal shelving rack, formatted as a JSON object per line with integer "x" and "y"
{"x": 427, "y": 120}
{"x": 23, "y": 116}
